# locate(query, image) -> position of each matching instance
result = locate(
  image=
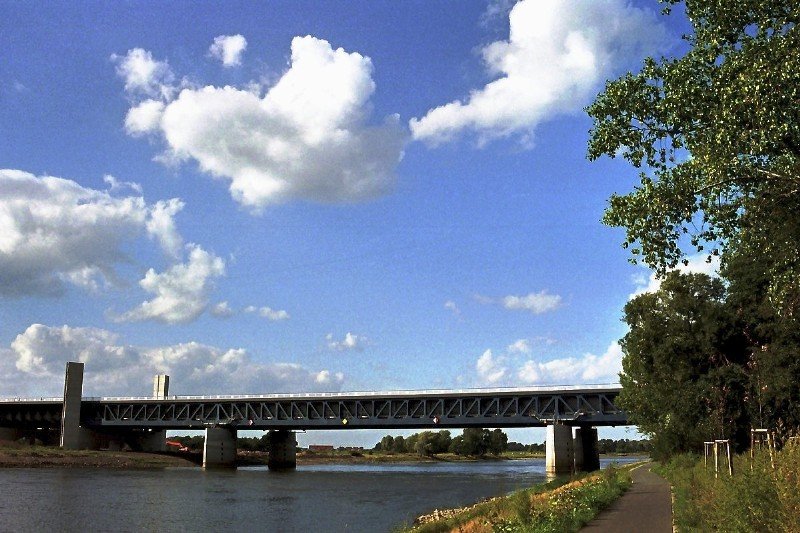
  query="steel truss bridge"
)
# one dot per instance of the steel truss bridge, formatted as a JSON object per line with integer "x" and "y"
{"x": 532, "y": 407}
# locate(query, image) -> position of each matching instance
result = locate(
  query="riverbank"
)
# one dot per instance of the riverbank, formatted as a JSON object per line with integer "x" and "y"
{"x": 561, "y": 505}
{"x": 23, "y": 456}
{"x": 26, "y": 456}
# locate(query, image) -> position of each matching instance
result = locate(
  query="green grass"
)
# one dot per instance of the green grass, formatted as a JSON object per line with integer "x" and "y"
{"x": 562, "y": 505}
{"x": 757, "y": 499}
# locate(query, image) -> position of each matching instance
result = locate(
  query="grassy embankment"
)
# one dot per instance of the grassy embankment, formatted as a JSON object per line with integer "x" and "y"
{"x": 761, "y": 499}
{"x": 24, "y": 456}
{"x": 562, "y": 505}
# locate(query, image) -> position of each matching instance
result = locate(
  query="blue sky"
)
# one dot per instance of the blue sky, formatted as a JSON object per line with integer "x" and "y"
{"x": 311, "y": 196}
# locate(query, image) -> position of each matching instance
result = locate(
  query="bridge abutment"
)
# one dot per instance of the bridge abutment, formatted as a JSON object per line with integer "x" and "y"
{"x": 282, "y": 450}
{"x": 219, "y": 449}
{"x": 559, "y": 453}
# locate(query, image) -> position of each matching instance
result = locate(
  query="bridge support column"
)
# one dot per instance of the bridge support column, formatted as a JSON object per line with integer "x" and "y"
{"x": 558, "y": 449}
{"x": 219, "y": 449}
{"x": 587, "y": 456}
{"x": 73, "y": 436}
{"x": 577, "y": 450}
{"x": 154, "y": 441}
{"x": 282, "y": 450}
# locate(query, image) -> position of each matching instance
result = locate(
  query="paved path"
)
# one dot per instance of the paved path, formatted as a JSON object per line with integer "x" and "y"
{"x": 646, "y": 507}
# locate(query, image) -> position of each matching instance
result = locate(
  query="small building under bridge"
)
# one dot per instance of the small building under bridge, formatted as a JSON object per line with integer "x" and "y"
{"x": 571, "y": 415}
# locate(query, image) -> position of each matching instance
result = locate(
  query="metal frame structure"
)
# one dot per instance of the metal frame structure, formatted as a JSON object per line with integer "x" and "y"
{"x": 376, "y": 410}
{"x": 408, "y": 410}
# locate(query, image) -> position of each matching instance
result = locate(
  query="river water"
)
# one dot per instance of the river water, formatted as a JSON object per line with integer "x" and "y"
{"x": 313, "y": 498}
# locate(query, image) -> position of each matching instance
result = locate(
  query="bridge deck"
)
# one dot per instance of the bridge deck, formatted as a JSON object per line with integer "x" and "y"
{"x": 506, "y": 407}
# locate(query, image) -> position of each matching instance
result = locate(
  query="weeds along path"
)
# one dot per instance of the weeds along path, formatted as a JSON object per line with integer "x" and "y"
{"x": 646, "y": 506}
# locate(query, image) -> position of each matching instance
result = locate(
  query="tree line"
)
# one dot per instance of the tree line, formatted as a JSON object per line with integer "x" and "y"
{"x": 472, "y": 441}
{"x": 715, "y": 137}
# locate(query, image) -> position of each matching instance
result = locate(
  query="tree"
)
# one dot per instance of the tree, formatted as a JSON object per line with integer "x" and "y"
{"x": 497, "y": 442}
{"x": 399, "y": 444}
{"x": 684, "y": 373}
{"x": 717, "y": 136}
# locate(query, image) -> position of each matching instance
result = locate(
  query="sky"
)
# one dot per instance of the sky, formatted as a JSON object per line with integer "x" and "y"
{"x": 312, "y": 196}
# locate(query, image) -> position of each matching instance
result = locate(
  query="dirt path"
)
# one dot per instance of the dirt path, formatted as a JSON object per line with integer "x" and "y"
{"x": 647, "y": 506}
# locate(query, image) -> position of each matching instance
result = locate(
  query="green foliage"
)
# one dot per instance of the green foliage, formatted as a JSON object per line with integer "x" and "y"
{"x": 754, "y": 499}
{"x": 717, "y": 136}
{"x": 683, "y": 377}
{"x": 562, "y": 505}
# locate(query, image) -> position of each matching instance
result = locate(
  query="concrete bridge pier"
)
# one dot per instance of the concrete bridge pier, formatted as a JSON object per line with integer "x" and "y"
{"x": 587, "y": 456}
{"x": 282, "y": 450}
{"x": 559, "y": 453}
{"x": 219, "y": 450}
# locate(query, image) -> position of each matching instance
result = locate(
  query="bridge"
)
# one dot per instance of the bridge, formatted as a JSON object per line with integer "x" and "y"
{"x": 141, "y": 422}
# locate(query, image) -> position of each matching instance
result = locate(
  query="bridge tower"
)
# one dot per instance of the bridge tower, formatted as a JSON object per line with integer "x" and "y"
{"x": 73, "y": 436}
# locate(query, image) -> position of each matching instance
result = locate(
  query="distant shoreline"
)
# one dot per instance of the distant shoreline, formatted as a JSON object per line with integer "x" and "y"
{"x": 24, "y": 456}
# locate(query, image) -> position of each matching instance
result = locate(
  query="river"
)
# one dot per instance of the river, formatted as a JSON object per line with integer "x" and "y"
{"x": 313, "y": 498}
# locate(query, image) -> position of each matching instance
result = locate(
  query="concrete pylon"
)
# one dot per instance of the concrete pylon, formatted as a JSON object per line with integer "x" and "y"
{"x": 219, "y": 449}
{"x": 156, "y": 440}
{"x": 282, "y": 450}
{"x": 559, "y": 453}
{"x": 73, "y": 436}
{"x": 160, "y": 386}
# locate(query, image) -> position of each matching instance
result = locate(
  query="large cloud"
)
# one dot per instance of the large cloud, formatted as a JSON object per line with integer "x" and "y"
{"x": 34, "y": 365}
{"x": 181, "y": 292}
{"x": 557, "y": 55}
{"x": 508, "y": 369}
{"x": 307, "y": 137}
{"x": 54, "y": 231}
{"x": 589, "y": 368}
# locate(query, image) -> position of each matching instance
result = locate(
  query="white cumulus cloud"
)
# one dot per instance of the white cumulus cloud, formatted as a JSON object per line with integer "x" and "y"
{"x": 181, "y": 292}
{"x": 536, "y": 303}
{"x": 34, "y": 365}
{"x": 54, "y": 231}
{"x": 350, "y": 342}
{"x": 557, "y": 55}
{"x": 143, "y": 74}
{"x": 520, "y": 346}
{"x": 144, "y": 117}
{"x": 269, "y": 313}
{"x": 222, "y": 310}
{"x": 490, "y": 369}
{"x": 228, "y": 49}
{"x": 574, "y": 370}
{"x": 306, "y": 137}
